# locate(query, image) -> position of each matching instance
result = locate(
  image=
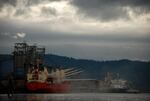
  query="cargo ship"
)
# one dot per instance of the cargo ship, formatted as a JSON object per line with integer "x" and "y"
{"x": 42, "y": 81}
{"x": 112, "y": 84}
{"x": 39, "y": 79}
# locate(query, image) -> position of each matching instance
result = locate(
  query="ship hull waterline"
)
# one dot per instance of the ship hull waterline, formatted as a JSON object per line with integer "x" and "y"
{"x": 43, "y": 87}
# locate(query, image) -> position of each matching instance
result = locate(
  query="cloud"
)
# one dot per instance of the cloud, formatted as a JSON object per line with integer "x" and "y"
{"x": 103, "y": 10}
{"x": 7, "y": 2}
{"x": 108, "y": 10}
{"x": 48, "y": 11}
{"x": 20, "y": 2}
{"x": 110, "y": 45}
{"x": 93, "y": 29}
{"x": 35, "y": 10}
{"x": 20, "y": 12}
{"x": 21, "y": 35}
{"x": 12, "y": 35}
{"x": 25, "y": 3}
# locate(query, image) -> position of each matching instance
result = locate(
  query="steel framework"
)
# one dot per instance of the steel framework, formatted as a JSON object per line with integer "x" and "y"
{"x": 24, "y": 56}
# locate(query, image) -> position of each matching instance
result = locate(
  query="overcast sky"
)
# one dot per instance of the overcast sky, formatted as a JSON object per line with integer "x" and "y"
{"x": 89, "y": 29}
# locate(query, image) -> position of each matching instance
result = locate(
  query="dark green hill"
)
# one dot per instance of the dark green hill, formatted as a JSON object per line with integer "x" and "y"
{"x": 137, "y": 72}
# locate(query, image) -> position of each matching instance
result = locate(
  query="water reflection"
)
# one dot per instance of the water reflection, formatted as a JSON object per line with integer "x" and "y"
{"x": 77, "y": 97}
{"x": 34, "y": 97}
{"x": 89, "y": 97}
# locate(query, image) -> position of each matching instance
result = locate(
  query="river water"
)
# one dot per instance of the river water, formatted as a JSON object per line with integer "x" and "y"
{"x": 77, "y": 97}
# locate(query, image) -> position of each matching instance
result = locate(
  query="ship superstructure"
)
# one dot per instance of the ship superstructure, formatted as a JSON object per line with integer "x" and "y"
{"x": 41, "y": 80}
{"x": 112, "y": 83}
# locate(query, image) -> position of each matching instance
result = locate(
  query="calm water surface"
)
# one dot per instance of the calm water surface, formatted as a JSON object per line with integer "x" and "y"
{"x": 77, "y": 97}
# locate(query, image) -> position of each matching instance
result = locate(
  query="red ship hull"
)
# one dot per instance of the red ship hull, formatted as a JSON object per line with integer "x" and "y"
{"x": 62, "y": 87}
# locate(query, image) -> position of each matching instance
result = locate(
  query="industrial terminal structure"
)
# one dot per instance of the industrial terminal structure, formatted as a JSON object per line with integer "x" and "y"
{"x": 24, "y": 55}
